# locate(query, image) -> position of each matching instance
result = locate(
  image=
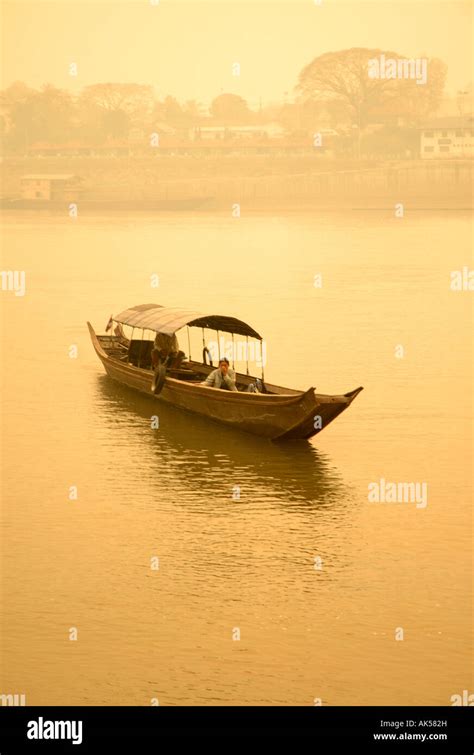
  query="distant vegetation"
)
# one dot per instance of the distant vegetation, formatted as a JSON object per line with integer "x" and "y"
{"x": 334, "y": 89}
{"x": 342, "y": 78}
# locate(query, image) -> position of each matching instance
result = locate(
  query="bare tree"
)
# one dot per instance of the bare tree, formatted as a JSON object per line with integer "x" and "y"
{"x": 344, "y": 77}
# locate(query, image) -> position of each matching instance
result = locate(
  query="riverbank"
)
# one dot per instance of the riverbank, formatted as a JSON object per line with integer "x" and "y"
{"x": 260, "y": 182}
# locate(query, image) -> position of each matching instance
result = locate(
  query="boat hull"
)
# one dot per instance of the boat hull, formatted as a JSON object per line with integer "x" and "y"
{"x": 280, "y": 416}
{"x": 107, "y": 205}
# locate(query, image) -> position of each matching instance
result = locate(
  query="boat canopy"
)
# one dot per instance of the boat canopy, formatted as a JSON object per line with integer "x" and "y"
{"x": 168, "y": 320}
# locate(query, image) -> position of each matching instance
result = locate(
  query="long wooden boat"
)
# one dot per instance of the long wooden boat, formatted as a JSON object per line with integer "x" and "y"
{"x": 273, "y": 412}
{"x": 106, "y": 205}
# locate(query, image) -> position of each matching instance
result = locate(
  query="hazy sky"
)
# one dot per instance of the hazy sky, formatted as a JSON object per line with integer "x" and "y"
{"x": 187, "y": 48}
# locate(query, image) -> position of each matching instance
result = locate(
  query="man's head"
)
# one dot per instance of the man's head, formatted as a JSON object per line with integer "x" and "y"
{"x": 224, "y": 365}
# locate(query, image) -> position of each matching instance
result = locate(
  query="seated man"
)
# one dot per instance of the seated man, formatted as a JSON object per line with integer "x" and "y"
{"x": 223, "y": 377}
{"x": 166, "y": 348}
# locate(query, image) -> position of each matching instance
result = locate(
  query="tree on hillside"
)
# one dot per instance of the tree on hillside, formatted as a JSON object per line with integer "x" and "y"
{"x": 345, "y": 77}
{"x": 130, "y": 98}
{"x": 193, "y": 111}
{"x": 111, "y": 109}
{"x": 15, "y": 105}
{"x": 170, "y": 111}
{"x": 230, "y": 108}
{"x": 30, "y": 115}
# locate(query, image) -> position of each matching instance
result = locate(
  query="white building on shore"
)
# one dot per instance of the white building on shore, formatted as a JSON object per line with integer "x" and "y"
{"x": 452, "y": 136}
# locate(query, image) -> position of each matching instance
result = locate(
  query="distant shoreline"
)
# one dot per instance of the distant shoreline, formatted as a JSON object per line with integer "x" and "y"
{"x": 222, "y": 212}
{"x": 252, "y": 183}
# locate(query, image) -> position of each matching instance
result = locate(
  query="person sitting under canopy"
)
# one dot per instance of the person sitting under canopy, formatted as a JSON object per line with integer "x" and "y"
{"x": 166, "y": 350}
{"x": 222, "y": 377}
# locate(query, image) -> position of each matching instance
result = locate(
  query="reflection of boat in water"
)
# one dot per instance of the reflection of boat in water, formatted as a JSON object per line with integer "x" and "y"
{"x": 256, "y": 406}
{"x": 185, "y": 450}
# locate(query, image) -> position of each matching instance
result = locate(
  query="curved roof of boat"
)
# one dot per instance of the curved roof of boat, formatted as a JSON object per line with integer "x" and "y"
{"x": 170, "y": 319}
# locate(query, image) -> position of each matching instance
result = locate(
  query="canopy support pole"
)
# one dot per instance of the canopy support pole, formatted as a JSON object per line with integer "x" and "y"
{"x": 141, "y": 348}
{"x": 233, "y": 353}
{"x": 130, "y": 345}
{"x": 218, "y": 347}
{"x": 261, "y": 356}
{"x": 189, "y": 344}
{"x": 247, "y": 355}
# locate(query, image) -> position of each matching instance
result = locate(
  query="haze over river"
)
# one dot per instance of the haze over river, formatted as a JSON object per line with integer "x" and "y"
{"x": 306, "y": 633}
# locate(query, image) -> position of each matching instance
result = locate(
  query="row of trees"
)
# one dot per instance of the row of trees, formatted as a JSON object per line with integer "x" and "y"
{"x": 335, "y": 83}
{"x": 100, "y": 112}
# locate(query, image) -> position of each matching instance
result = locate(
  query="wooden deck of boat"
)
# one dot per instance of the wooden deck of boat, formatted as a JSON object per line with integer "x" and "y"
{"x": 190, "y": 371}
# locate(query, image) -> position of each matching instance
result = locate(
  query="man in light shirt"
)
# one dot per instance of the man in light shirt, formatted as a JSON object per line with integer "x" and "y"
{"x": 222, "y": 377}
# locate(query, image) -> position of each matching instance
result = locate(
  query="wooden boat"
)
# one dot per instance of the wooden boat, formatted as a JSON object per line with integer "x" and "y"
{"x": 106, "y": 205}
{"x": 273, "y": 412}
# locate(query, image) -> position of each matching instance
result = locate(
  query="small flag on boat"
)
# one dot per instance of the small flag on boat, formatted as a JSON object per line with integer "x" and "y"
{"x": 109, "y": 324}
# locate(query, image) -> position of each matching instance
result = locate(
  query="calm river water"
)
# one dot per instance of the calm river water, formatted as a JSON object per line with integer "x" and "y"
{"x": 386, "y": 617}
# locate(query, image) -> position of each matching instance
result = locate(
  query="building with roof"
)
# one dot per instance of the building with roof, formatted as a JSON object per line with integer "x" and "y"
{"x": 51, "y": 186}
{"x": 449, "y": 137}
{"x": 226, "y": 132}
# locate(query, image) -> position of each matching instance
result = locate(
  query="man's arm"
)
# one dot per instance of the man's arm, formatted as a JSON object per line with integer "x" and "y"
{"x": 210, "y": 379}
{"x": 229, "y": 380}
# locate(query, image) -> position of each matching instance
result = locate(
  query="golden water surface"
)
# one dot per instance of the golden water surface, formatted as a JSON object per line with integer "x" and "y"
{"x": 306, "y": 633}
